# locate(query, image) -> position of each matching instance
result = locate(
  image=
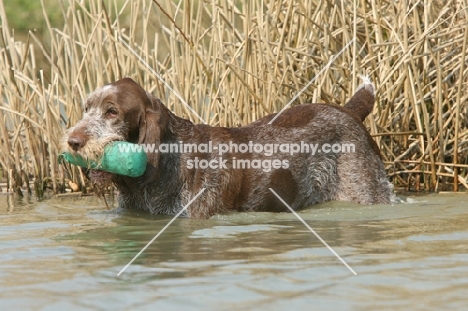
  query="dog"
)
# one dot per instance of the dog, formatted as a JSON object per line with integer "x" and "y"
{"x": 240, "y": 177}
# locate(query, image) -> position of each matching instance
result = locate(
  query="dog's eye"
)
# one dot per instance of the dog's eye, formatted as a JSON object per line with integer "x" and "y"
{"x": 111, "y": 112}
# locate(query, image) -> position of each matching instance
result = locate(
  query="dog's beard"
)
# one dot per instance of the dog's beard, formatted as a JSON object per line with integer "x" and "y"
{"x": 99, "y": 133}
{"x": 101, "y": 184}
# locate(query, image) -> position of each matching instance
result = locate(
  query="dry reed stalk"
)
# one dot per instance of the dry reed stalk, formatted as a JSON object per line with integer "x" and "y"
{"x": 234, "y": 62}
{"x": 458, "y": 106}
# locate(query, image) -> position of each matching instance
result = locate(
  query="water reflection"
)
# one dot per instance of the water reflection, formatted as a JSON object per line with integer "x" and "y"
{"x": 66, "y": 253}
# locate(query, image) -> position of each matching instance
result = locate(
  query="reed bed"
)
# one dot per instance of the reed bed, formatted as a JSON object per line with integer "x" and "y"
{"x": 236, "y": 61}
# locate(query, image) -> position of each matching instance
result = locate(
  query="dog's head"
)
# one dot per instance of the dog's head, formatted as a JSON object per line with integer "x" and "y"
{"x": 120, "y": 111}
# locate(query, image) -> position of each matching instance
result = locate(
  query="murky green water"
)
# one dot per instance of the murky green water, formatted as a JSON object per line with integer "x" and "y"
{"x": 64, "y": 254}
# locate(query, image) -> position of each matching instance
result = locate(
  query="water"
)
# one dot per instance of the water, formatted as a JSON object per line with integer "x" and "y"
{"x": 65, "y": 254}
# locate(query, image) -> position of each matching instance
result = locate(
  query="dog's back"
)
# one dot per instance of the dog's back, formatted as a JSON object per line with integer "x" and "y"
{"x": 353, "y": 172}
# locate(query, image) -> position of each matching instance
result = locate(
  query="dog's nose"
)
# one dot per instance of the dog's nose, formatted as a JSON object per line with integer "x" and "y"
{"x": 76, "y": 141}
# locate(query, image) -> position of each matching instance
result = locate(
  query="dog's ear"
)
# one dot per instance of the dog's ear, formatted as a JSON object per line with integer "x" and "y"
{"x": 152, "y": 129}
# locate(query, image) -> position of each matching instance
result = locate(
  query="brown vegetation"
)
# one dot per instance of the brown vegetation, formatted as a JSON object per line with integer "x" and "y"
{"x": 236, "y": 61}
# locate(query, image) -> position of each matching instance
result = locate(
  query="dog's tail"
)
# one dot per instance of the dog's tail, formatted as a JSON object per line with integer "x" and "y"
{"x": 362, "y": 102}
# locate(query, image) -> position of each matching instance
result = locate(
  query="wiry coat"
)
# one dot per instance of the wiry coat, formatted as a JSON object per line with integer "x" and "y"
{"x": 124, "y": 111}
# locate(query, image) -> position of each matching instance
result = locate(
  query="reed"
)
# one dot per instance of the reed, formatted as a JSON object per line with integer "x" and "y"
{"x": 236, "y": 61}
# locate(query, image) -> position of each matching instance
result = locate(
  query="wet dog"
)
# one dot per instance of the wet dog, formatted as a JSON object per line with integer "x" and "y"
{"x": 307, "y": 154}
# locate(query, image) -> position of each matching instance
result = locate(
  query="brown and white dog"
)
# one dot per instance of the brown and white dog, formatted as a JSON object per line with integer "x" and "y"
{"x": 240, "y": 181}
